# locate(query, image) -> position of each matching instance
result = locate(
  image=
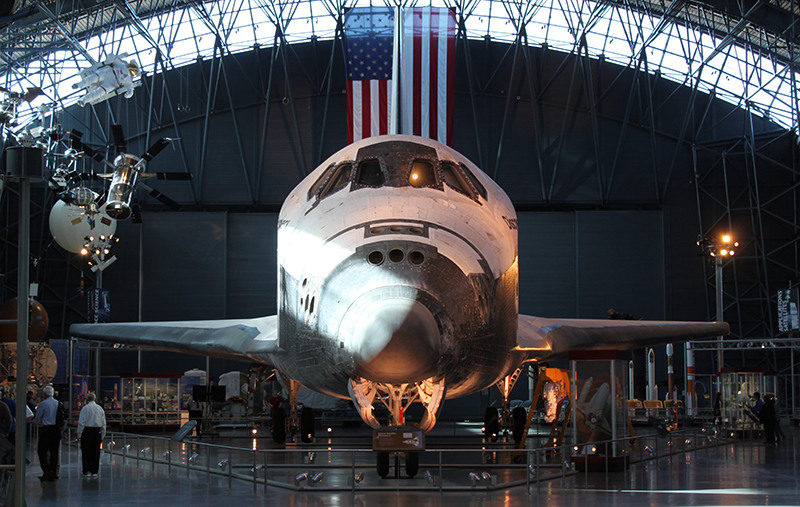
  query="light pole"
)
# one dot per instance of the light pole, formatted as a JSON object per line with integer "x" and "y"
{"x": 23, "y": 165}
{"x": 718, "y": 249}
{"x": 718, "y": 281}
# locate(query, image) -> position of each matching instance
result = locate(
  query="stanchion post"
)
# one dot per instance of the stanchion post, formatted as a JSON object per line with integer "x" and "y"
{"x": 266, "y": 471}
{"x": 441, "y": 475}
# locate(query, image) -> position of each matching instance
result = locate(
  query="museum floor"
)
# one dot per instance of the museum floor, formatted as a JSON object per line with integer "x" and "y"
{"x": 746, "y": 472}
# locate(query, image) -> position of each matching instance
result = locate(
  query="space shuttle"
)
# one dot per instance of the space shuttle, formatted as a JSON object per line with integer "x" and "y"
{"x": 397, "y": 283}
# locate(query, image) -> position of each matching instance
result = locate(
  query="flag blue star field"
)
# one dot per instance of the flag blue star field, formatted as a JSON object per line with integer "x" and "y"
{"x": 369, "y": 35}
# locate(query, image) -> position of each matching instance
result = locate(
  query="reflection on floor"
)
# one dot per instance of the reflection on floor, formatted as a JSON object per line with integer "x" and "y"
{"x": 747, "y": 472}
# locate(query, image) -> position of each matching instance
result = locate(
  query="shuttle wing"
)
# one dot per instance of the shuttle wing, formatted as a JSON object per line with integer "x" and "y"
{"x": 250, "y": 340}
{"x": 545, "y": 339}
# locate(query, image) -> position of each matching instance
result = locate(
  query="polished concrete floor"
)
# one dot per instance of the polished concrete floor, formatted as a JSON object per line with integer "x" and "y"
{"x": 746, "y": 472}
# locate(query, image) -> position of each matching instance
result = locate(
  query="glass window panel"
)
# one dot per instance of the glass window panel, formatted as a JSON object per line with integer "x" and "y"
{"x": 340, "y": 180}
{"x": 475, "y": 183}
{"x": 320, "y": 181}
{"x": 422, "y": 174}
{"x": 370, "y": 174}
{"x": 454, "y": 180}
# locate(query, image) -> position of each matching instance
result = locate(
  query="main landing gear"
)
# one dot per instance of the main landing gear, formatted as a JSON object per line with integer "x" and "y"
{"x": 288, "y": 424}
{"x": 496, "y": 424}
{"x": 396, "y": 398}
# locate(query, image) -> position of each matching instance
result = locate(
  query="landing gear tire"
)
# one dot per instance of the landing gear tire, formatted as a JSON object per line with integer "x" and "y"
{"x": 519, "y": 417}
{"x": 412, "y": 464}
{"x": 383, "y": 464}
{"x": 307, "y": 424}
{"x": 279, "y": 425}
{"x": 491, "y": 424}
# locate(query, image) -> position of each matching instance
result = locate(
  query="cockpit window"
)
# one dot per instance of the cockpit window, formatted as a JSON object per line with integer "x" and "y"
{"x": 370, "y": 174}
{"x": 320, "y": 182}
{"x": 475, "y": 183}
{"x": 340, "y": 180}
{"x": 455, "y": 180}
{"x": 422, "y": 174}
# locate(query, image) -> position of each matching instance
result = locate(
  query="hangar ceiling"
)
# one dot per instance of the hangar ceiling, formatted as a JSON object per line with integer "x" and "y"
{"x": 743, "y": 51}
{"x": 682, "y": 107}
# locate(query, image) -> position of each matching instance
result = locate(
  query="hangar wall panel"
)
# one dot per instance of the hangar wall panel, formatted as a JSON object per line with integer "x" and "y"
{"x": 252, "y": 282}
{"x": 547, "y": 264}
{"x": 581, "y": 264}
{"x": 183, "y": 267}
{"x": 620, "y": 263}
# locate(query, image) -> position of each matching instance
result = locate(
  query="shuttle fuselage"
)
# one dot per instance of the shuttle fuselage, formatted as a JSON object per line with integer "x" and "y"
{"x": 397, "y": 262}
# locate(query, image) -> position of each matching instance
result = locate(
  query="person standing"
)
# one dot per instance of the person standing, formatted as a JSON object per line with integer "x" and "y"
{"x": 718, "y": 409}
{"x": 275, "y": 401}
{"x": 6, "y": 419}
{"x": 91, "y": 429}
{"x": 758, "y": 403}
{"x": 12, "y": 406}
{"x": 31, "y": 401}
{"x": 767, "y": 416}
{"x": 49, "y": 436}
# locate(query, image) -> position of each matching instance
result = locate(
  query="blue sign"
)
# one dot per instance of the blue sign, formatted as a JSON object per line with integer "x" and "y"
{"x": 99, "y": 306}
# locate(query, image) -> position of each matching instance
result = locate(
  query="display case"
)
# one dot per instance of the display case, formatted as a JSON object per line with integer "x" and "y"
{"x": 599, "y": 409}
{"x": 738, "y": 386}
{"x": 150, "y": 400}
{"x": 109, "y": 399}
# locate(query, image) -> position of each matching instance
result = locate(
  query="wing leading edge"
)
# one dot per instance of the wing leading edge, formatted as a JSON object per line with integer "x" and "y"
{"x": 546, "y": 339}
{"x": 249, "y": 340}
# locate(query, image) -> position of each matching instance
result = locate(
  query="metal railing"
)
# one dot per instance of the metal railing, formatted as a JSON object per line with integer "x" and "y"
{"x": 325, "y": 468}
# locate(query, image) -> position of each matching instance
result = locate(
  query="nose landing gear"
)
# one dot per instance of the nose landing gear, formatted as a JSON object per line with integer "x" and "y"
{"x": 384, "y": 461}
{"x": 398, "y": 440}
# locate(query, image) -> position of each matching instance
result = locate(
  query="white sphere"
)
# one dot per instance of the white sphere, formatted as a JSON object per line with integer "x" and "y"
{"x": 70, "y": 225}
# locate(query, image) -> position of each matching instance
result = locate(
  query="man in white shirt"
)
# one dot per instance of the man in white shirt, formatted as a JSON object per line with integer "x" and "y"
{"x": 91, "y": 429}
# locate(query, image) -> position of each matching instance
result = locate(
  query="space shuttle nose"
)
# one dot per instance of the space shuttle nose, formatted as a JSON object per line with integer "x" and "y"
{"x": 396, "y": 341}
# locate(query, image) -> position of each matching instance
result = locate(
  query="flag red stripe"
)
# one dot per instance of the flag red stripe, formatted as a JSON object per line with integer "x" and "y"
{"x": 365, "y": 110}
{"x": 383, "y": 105}
{"x": 433, "y": 90}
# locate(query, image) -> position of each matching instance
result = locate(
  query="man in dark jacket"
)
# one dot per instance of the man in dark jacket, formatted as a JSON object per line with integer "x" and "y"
{"x": 49, "y": 435}
{"x": 6, "y": 419}
{"x": 767, "y": 416}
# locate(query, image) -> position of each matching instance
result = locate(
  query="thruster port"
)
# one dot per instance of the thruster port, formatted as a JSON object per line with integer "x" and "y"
{"x": 375, "y": 258}
{"x": 396, "y": 255}
{"x": 416, "y": 257}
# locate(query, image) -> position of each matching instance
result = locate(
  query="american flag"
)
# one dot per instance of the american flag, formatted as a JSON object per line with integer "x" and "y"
{"x": 427, "y": 72}
{"x": 369, "y": 33}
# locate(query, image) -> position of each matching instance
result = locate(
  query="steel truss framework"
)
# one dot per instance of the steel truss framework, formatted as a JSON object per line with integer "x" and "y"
{"x": 742, "y": 188}
{"x": 745, "y": 165}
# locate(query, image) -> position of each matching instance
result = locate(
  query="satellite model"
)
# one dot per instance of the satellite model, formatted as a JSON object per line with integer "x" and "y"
{"x": 108, "y": 79}
{"x": 128, "y": 172}
{"x": 10, "y": 100}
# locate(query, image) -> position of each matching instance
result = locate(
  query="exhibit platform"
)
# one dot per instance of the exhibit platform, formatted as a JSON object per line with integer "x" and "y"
{"x": 743, "y": 472}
